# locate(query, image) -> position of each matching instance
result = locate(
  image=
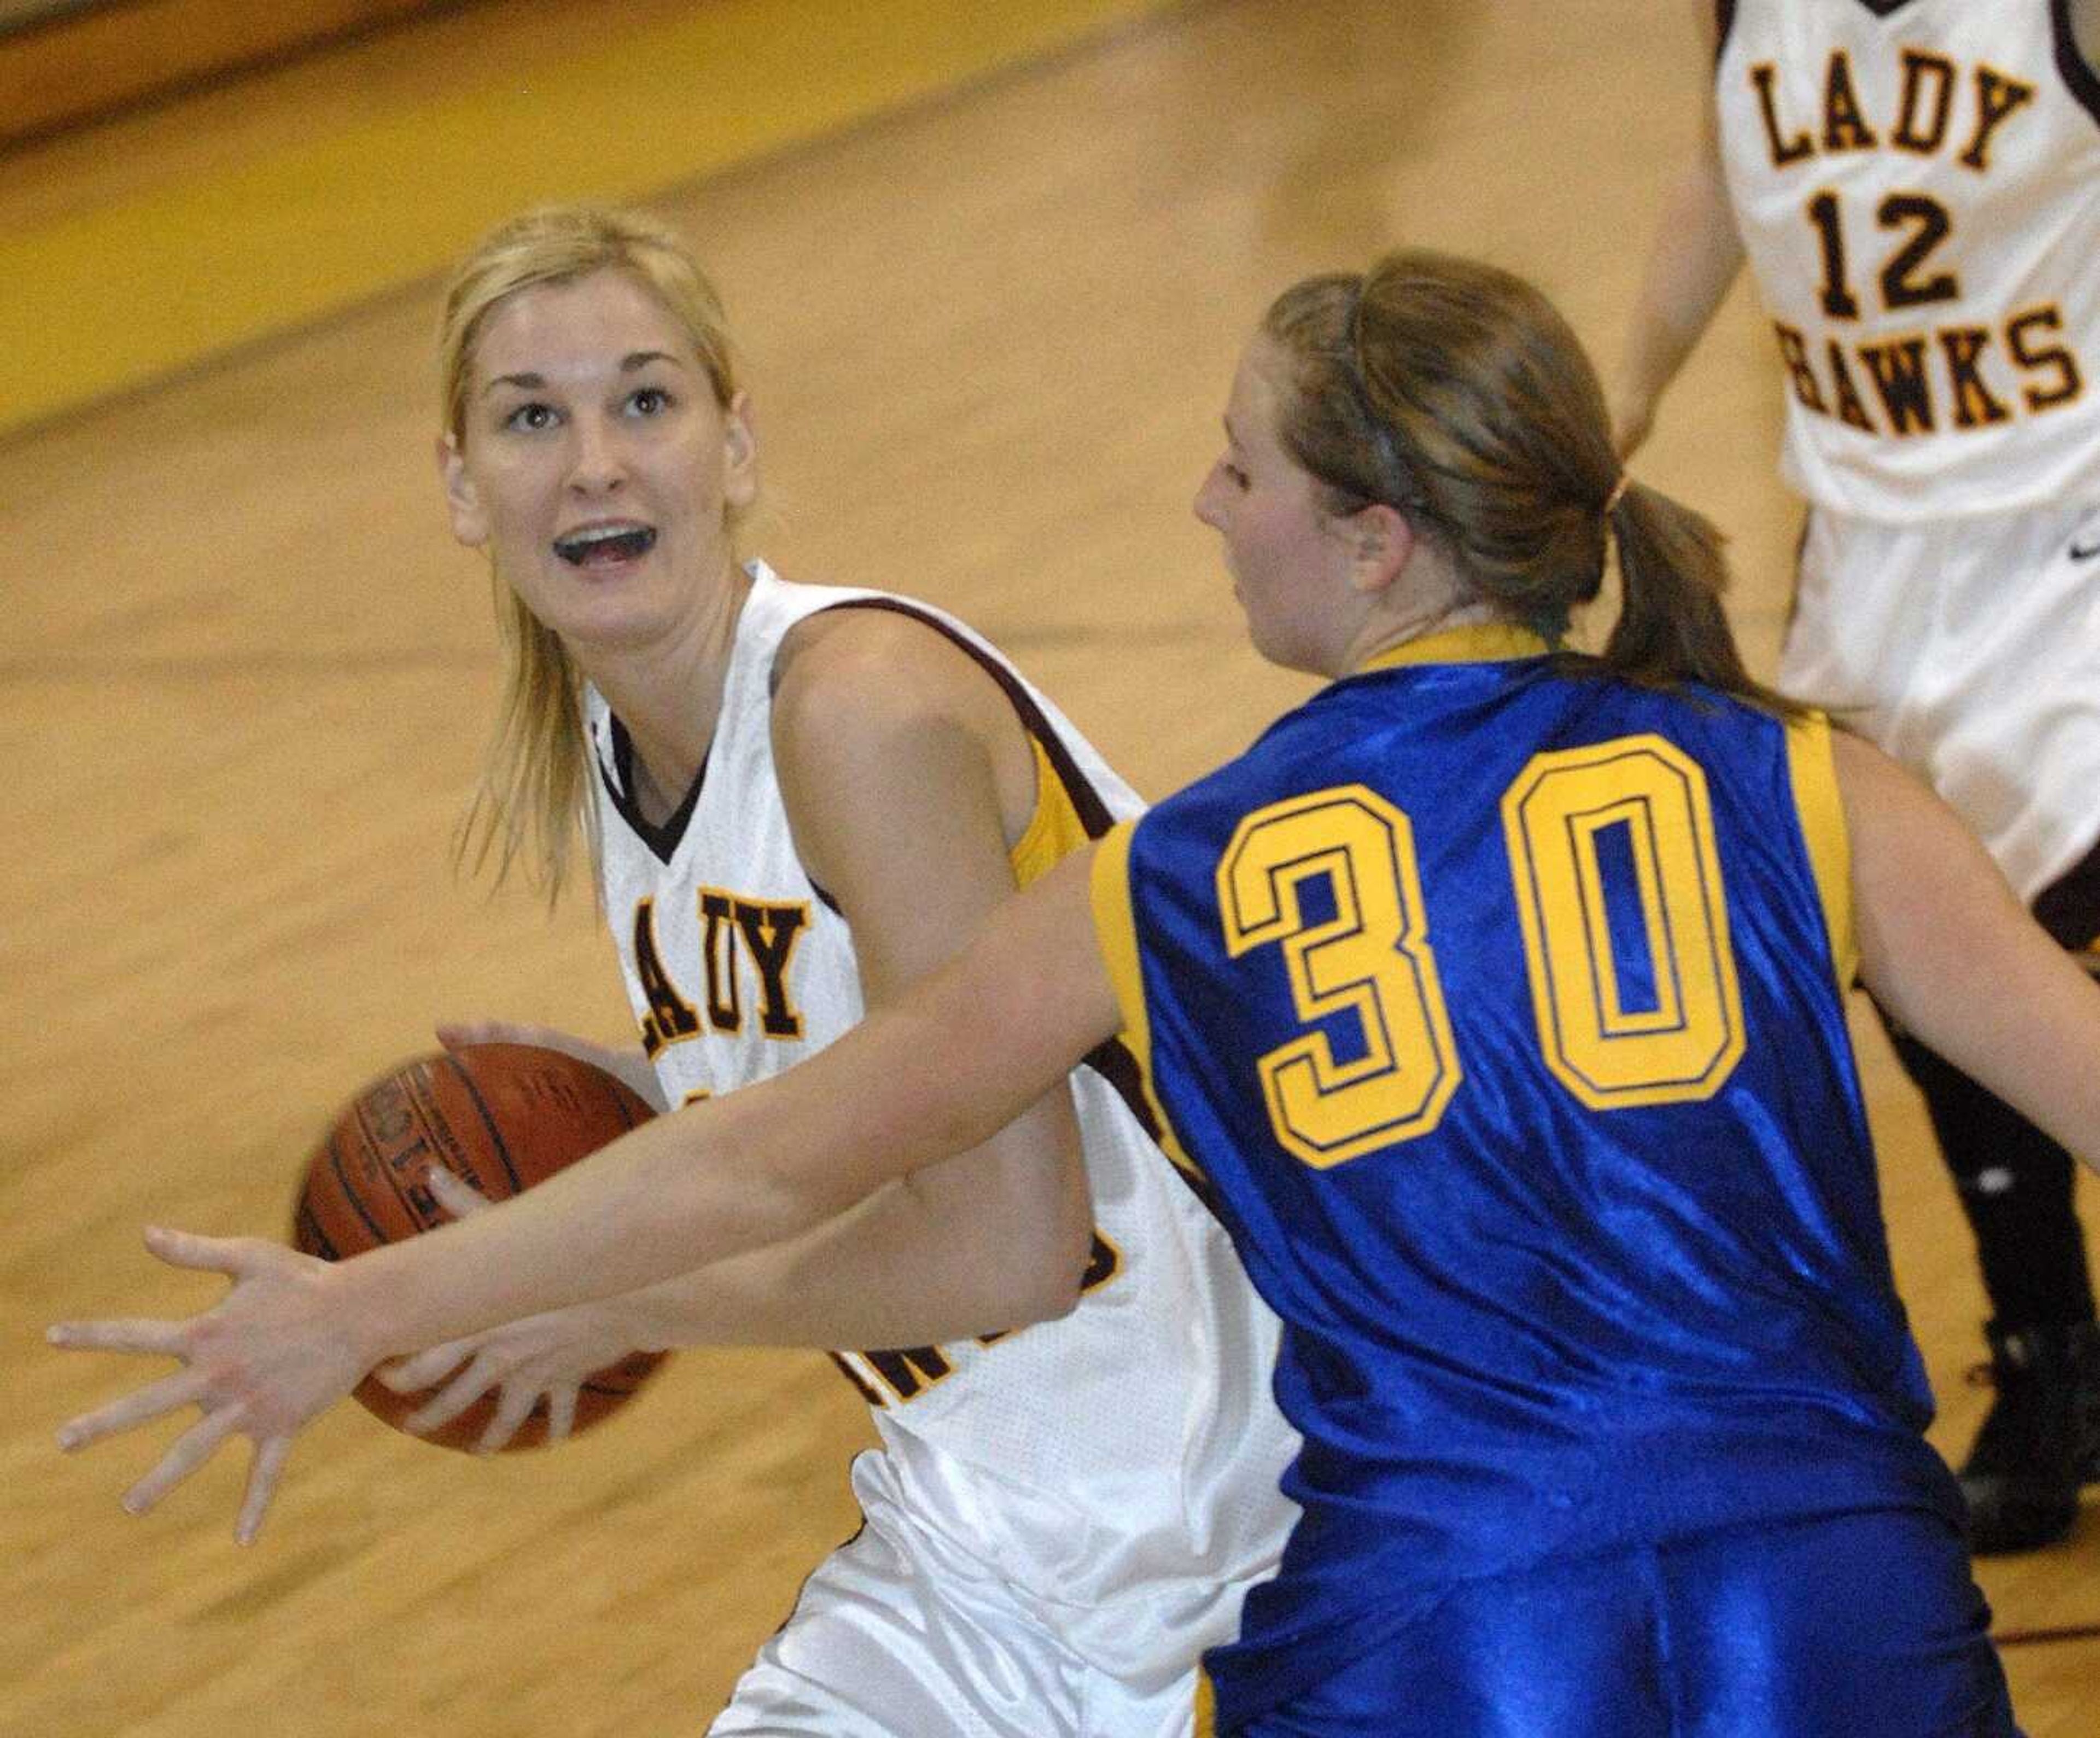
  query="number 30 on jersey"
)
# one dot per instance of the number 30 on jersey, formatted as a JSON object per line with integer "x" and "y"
{"x": 1619, "y": 901}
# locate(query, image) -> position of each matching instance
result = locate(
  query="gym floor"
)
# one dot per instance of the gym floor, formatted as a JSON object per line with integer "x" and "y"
{"x": 991, "y": 267}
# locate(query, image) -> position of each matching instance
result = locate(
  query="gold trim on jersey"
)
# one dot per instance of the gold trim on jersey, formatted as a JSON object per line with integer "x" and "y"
{"x": 1115, "y": 932}
{"x": 1477, "y": 642}
{"x": 1055, "y": 830}
{"x": 1815, "y": 777}
{"x": 1206, "y": 1705}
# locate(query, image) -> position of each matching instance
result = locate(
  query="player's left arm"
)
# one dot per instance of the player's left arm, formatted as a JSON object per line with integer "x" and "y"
{"x": 954, "y": 1059}
{"x": 1950, "y": 952}
{"x": 1694, "y": 257}
{"x": 905, "y": 774}
{"x": 908, "y": 777}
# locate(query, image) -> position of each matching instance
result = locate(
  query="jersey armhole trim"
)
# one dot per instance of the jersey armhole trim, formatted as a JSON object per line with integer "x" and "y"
{"x": 1813, "y": 775}
{"x": 1086, "y": 802}
{"x": 1115, "y": 934}
{"x": 2080, "y": 76}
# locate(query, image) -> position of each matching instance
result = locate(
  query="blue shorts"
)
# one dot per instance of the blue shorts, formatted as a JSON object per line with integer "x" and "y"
{"x": 1858, "y": 1626}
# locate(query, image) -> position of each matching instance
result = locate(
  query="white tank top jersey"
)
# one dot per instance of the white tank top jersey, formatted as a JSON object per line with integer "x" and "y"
{"x": 1131, "y": 1449}
{"x": 1918, "y": 186}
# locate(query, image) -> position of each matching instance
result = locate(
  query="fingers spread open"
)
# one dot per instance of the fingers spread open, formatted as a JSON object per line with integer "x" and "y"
{"x": 513, "y": 1407}
{"x": 181, "y": 1389}
{"x": 423, "y": 1370}
{"x": 458, "y": 1394}
{"x": 561, "y": 1411}
{"x": 185, "y": 1249}
{"x": 263, "y": 1470}
{"x": 191, "y": 1449}
{"x": 138, "y": 1333}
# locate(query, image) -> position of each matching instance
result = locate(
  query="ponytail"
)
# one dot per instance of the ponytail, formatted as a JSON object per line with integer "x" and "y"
{"x": 1672, "y": 627}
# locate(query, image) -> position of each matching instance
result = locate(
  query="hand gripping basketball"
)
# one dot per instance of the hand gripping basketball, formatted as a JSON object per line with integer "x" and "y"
{"x": 500, "y": 1116}
{"x": 278, "y": 1349}
{"x": 539, "y": 1367}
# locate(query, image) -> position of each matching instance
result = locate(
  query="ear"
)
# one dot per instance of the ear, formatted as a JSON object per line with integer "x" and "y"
{"x": 739, "y": 453}
{"x": 1380, "y": 542}
{"x": 462, "y": 500}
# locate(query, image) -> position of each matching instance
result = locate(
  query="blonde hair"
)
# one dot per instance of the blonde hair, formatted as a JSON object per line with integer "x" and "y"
{"x": 535, "y": 795}
{"x": 1455, "y": 393}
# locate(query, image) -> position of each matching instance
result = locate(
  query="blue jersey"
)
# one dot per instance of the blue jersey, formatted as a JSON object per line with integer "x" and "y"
{"x": 1500, "y": 1009}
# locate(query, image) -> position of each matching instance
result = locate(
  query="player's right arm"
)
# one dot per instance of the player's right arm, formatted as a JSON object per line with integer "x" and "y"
{"x": 962, "y": 1054}
{"x": 905, "y": 773}
{"x": 1949, "y": 951}
{"x": 1697, "y": 254}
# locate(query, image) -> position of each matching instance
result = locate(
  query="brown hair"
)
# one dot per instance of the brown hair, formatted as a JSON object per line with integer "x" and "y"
{"x": 535, "y": 789}
{"x": 1455, "y": 393}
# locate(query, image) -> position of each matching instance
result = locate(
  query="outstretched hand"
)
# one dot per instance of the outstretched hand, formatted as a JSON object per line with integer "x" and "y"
{"x": 551, "y": 1355}
{"x": 274, "y": 1352}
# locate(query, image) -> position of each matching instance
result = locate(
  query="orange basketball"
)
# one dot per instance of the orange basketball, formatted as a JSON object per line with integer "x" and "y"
{"x": 501, "y": 1116}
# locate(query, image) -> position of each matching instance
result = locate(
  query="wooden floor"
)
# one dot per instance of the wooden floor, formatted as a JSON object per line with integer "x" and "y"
{"x": 247, "y": 675}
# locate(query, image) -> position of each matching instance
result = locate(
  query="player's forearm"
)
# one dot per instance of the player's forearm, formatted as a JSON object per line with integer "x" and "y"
{"x": 989, "y": 1242}
{"x": 908, "y": 1088}
{"x": 944, "y": 1070}
{"x": 642, "y": 1210}
{"x": 1697, "y": 255}
{"x": 675, "y": 1194}
{"x": 2030, "y": 1032}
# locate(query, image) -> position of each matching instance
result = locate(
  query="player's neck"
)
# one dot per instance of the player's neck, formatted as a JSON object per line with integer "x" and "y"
{"x": 668, "y": 696}
{"x": 1383, "y": 633}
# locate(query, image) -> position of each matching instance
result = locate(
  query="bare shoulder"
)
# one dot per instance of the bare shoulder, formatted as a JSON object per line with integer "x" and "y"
{"x": 1857, "y": 759}
{"x": 1915, "y": 864}
{"x": 855, "y": 673}
{"x": 1878, "y": 794}
{"x": 891, "y": 744}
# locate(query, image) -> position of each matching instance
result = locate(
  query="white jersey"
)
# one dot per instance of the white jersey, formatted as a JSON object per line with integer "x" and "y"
{"x": 1129, "y": 1451}
{"x": 1918, "y": 186}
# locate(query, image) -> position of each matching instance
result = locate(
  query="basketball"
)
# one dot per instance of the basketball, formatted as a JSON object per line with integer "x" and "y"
{"x": 501, "y": 1117}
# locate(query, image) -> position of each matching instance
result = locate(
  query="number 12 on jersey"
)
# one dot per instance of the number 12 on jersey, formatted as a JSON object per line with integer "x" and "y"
{"x": 1619, "y": 900}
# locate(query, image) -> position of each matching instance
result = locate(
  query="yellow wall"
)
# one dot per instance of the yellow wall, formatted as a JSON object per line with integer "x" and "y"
{"x": 71, "y": 62}
{"x": 97, "y": 300}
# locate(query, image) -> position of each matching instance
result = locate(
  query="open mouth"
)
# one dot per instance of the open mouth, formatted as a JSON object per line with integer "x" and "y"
{"x": 600, "y": 545}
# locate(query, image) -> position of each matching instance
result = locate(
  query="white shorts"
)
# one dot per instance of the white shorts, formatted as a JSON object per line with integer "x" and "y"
{"x": 1970, "y": 650}
{"x": 897, "y": 1634}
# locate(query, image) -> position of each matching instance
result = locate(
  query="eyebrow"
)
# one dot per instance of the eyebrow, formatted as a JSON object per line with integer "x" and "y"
{"x": 528, "y": 381}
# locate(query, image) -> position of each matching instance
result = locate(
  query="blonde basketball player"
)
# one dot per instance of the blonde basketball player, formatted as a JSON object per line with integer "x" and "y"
{"x": 1916, "y": 184}
{"x": 798, "y": 800}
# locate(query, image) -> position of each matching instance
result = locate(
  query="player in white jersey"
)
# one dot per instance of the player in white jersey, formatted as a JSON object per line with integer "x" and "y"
{"x": 801, "y": 799}
{"x": 1916, "y": 184}
{"x": 1087, "y": 1500}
